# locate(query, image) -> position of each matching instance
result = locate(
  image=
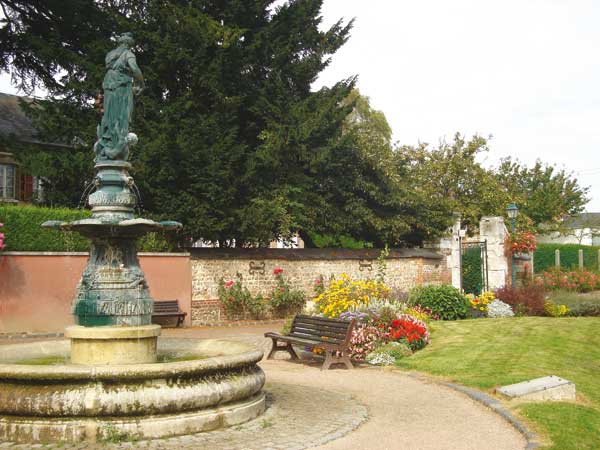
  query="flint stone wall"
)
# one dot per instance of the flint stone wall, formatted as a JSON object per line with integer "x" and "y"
{"x": 406, "y": 268}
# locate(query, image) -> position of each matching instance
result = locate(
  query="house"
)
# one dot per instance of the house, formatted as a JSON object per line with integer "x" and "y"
{"x": 582, "y": 229}
{"x": 15, "y": 184}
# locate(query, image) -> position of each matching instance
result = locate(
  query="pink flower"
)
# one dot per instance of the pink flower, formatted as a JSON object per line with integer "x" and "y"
{"x": 228, "y": 284}
{"x": 317, "y": 281}
{"x": 277, "y": 271}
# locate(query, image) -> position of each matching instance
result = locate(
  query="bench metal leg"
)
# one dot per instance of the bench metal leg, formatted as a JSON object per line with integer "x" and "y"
{"x": 278, "y": 348}
{"x": 331, "y": 357}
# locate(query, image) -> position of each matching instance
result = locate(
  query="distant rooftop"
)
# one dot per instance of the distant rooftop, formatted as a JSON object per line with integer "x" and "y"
{"x": 13, "y": 120}
{"x": 583, "y": 220}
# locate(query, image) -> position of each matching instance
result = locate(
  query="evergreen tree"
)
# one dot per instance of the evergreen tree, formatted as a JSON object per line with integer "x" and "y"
{"x": 233, "y": 142}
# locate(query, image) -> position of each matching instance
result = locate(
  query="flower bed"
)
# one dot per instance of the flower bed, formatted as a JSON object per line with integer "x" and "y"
{"x": 574, "y": 280}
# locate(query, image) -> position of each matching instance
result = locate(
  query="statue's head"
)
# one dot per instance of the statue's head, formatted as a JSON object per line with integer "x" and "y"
{"x": 125, "y": 39}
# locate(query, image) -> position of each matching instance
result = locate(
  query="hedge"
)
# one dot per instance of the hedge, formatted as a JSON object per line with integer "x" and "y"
{"x": 543, "y": 256}
{"x": 472, "y": 279}
{"x": 23, "y": 232}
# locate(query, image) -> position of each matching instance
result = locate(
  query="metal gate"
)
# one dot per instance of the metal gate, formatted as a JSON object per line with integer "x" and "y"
{"x": 474, "y": 267}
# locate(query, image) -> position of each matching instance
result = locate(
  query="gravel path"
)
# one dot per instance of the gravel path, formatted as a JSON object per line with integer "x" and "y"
{"x": 365, "y": 408}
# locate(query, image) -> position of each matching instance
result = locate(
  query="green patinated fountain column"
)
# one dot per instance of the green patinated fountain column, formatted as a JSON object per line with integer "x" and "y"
{"x": 113, "y": 290}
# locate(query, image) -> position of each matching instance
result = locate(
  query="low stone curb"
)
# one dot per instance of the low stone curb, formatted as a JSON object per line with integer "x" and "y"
{"x": 237, "y": 323}
{"x": 285, "y": 425}
{"x": 492, "y": 403}
{"x": 27, "y": 335}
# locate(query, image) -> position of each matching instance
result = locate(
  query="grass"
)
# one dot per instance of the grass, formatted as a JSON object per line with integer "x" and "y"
{"x": 494, "y": 352}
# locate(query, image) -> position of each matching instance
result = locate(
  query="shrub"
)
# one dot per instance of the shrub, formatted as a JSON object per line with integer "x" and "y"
{"x": 447, "y": 302}
{"x": 524, "y": 300}
{"x": 284, "y": 300}
{"x": 344, "y": 294}
{"x": 238, "y": 301}
{"x": 497, "y": 308}
{"x": 585, "y": 309}
{"x": 22, "y": 225}
{"x": 553, "y": 310}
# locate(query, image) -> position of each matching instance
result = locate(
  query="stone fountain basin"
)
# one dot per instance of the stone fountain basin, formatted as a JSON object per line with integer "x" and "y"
{"x": 208, "y": 384}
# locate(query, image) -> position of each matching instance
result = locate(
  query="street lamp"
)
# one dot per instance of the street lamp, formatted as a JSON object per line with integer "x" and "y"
{"x": 512, "y": 212}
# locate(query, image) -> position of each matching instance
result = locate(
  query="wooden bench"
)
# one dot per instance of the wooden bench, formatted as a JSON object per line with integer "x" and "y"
{"x": 332, "y": 335}
{"x": 165, "y": 311}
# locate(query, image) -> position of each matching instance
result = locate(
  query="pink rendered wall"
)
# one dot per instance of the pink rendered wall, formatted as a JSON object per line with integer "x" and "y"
{"x": 36, "y": 289}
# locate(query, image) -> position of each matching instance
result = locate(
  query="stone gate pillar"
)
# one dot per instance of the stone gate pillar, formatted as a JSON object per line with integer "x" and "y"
{"x": 493, "y": 230}
{"x": 449, "y": 246}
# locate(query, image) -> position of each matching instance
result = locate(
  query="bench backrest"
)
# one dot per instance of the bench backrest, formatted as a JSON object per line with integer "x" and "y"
{"x": 322, "y": 329}
{"x": 166, "y": 306}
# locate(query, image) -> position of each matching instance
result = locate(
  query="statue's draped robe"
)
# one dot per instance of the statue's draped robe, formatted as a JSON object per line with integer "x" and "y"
{"x": 118, "y": 103}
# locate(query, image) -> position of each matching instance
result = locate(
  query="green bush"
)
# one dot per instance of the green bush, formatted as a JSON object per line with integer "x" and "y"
{"x": 543, "y": 256}
{"x": 445, "y": 301}
{"x": 23, "y": 231}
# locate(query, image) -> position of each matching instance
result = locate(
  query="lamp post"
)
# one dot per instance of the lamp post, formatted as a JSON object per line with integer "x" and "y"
{"x": 512, "y": 212}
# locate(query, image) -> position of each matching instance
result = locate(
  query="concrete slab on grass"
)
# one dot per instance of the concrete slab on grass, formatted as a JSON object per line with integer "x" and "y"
{"x": 540, "y": 389}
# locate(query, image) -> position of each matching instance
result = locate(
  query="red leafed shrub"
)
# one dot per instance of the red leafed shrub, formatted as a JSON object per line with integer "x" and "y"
{"x": 412, "y": 330}
{"x": 525, "y": 300}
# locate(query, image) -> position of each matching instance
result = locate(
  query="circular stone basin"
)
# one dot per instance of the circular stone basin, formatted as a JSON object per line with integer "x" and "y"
{"x": 200, "y": 385}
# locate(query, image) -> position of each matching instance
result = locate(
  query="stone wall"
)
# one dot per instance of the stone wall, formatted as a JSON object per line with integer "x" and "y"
{"x": 301, "y": 267}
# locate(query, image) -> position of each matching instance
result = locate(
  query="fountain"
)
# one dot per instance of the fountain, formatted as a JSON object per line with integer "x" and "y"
{"x": 113, "y": 375}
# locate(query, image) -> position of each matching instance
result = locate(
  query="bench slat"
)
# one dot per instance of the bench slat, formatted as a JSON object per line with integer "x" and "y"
{"x": 333, "y": 323}
{"x": 322, "y": 319}
{"x": 320, "y": 327}
{"x": 168, "y": 309}
{"x": 308, "y": 342}
{"x": 318, "y": 333}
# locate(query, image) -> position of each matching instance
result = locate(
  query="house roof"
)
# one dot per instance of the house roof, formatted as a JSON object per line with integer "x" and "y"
{"x": 13, "y": 120}
{"x": 583, "y": 220}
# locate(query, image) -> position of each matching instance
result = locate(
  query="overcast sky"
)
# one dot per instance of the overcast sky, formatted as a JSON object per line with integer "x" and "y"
{"x": 525, "y": 72}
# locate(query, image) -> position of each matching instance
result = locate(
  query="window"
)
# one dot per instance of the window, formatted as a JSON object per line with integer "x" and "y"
{"x": 7, "y": 181}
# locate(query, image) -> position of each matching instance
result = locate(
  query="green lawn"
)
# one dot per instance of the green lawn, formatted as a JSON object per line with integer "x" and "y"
{"x": 487, "y": 353}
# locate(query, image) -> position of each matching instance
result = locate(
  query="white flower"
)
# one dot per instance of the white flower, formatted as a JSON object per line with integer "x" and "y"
{"x": 498, "y": 308}
{"x": 380, "y": 359}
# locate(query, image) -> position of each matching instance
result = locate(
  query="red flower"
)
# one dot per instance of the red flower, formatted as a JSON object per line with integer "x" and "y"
{"x": 277, "y": 271}
{"x": 228, "y": 284}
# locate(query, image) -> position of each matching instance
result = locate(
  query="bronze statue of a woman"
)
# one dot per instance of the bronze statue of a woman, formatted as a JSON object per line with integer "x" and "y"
{"x": 113, "y": 132}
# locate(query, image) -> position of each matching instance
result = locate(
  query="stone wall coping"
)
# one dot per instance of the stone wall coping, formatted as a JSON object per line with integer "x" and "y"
{"x": 183, "y": 254}
{"x": 309, "y": 253}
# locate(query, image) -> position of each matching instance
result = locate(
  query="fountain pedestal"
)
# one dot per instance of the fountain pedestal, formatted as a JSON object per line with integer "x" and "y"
{"x": 113, "y": 345}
